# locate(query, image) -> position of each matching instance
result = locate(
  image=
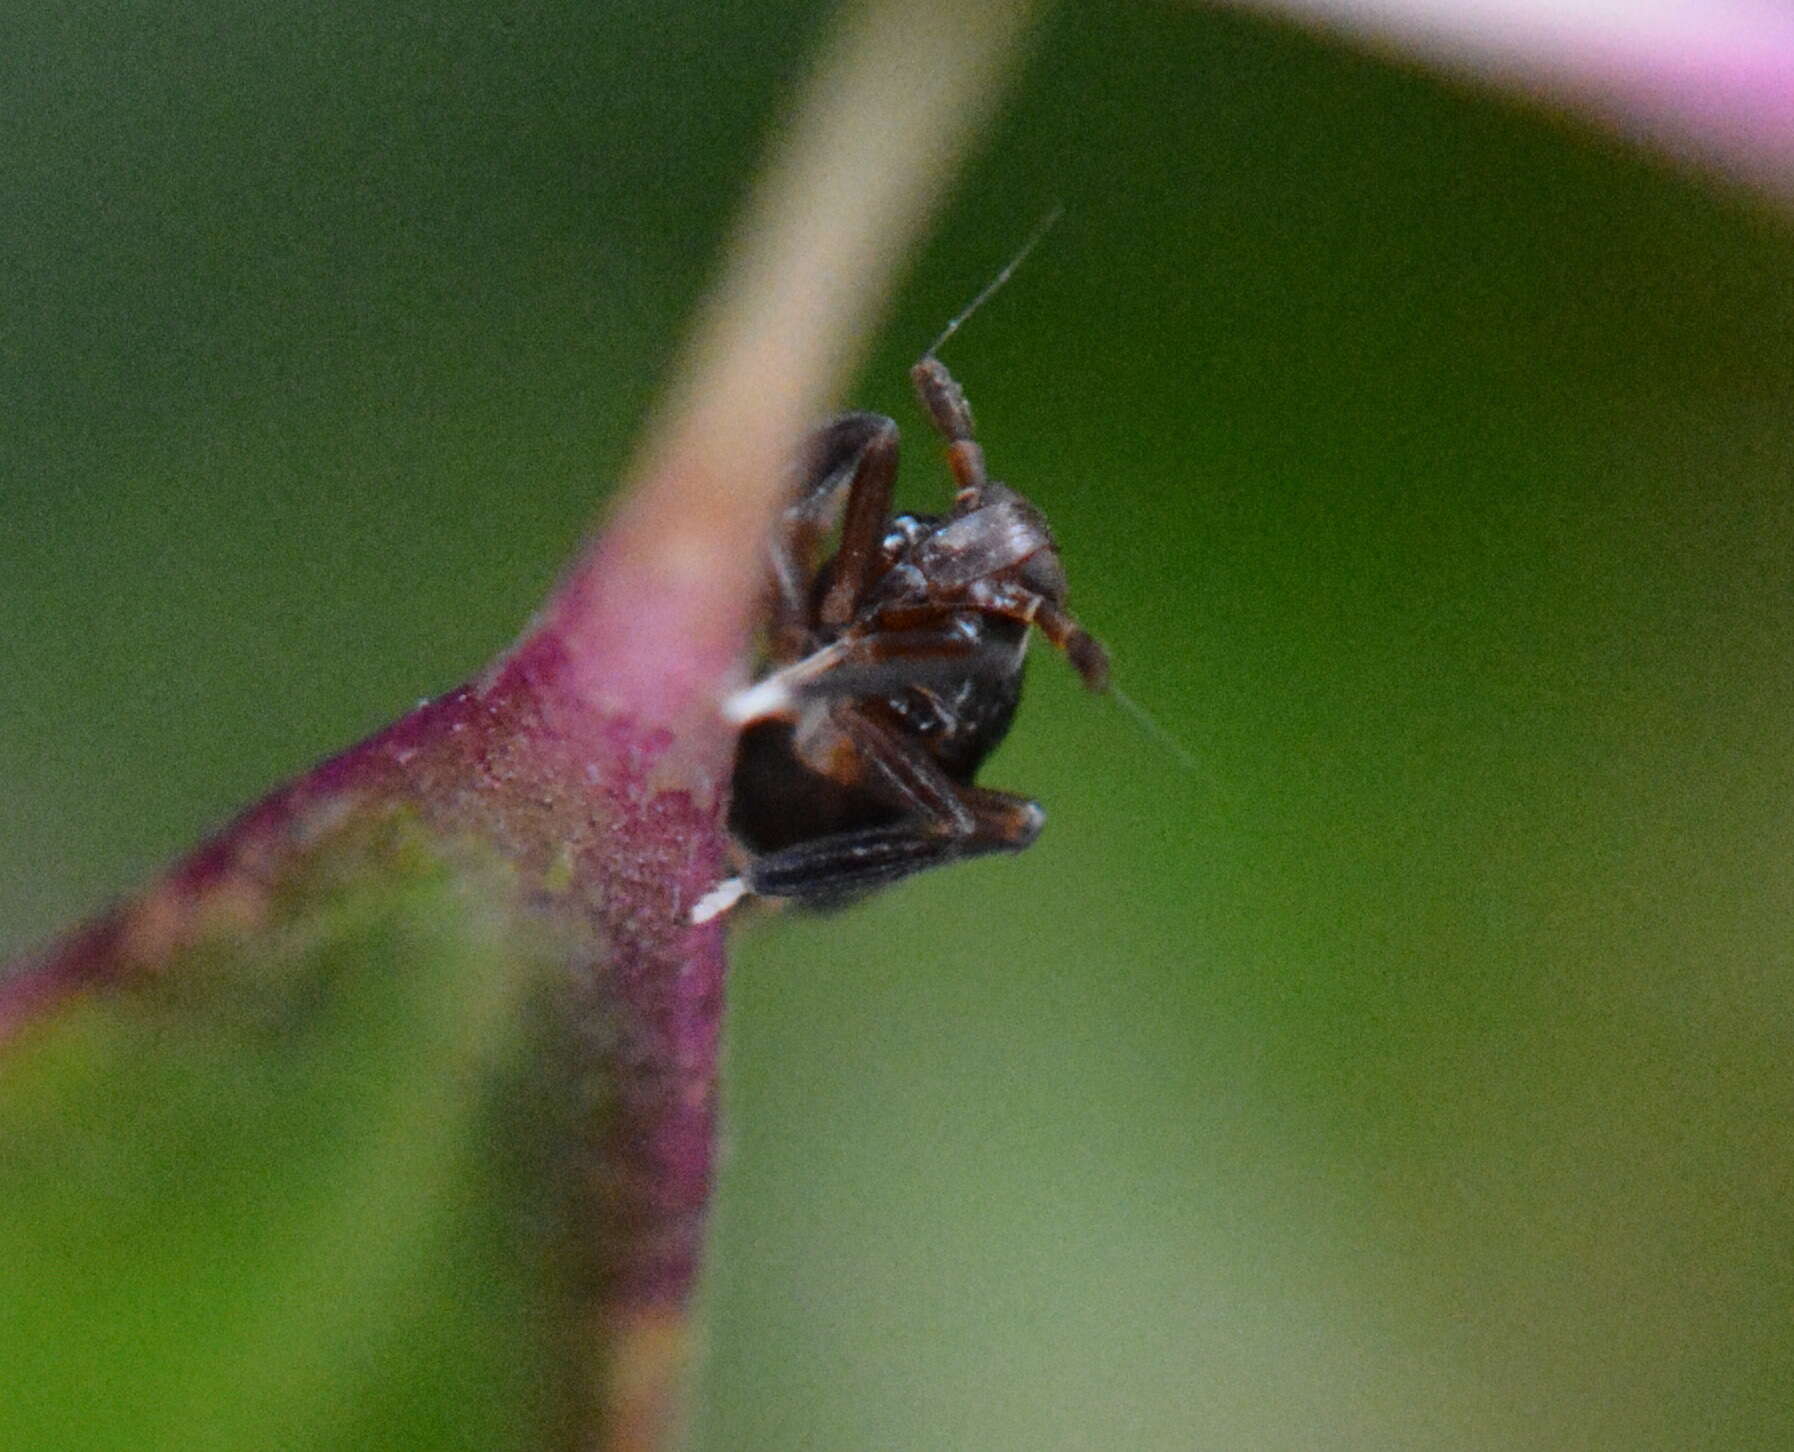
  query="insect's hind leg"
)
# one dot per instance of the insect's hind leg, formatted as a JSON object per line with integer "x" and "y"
{"x": 835, "y": 869}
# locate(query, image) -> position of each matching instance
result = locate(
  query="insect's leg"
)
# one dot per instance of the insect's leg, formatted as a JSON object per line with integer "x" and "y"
{"x": 834, "y": 458}
{"x": 881, "y": 758}
{"x": 863, "y": 526}
{"x": 1085, "y": 652}
{"x": 836, "y": 868}
{"x": 1005, "y": 822}
{"x": 943, "y": 821}
{"x": 863, "y": 665}
{"x": 944, "y": 401}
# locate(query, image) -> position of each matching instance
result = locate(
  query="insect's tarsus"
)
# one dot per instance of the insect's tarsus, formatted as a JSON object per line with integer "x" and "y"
{"x": 1046, "y": 224}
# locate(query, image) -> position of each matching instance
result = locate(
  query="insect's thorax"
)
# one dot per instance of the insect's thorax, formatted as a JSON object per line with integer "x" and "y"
{"x": 959, "y": 715}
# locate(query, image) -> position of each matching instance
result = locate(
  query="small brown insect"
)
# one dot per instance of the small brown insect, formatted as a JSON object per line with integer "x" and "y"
{"x": 898, "y": 667}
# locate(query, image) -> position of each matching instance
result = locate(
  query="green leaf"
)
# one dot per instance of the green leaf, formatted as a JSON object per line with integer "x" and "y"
{"x": 295, "y": 1194}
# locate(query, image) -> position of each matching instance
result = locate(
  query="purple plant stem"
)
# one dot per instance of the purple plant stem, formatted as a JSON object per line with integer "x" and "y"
{"x": 593, "y": 760}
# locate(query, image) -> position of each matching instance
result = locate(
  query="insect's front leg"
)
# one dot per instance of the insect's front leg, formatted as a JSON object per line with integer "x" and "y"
{"x": 855, "y": 455}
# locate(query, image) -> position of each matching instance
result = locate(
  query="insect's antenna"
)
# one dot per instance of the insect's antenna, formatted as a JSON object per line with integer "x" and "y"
{"x": 1047, "y": 223}
{"x": 1148, "y": 723}
{"x": 1218, "y": 785}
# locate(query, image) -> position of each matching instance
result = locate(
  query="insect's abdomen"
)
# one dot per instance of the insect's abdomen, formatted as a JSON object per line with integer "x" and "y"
{"x": 963, "y": 719}
{"x": 778, "y": 801}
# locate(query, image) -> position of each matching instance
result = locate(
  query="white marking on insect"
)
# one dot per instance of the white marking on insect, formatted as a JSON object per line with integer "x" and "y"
{"x": 779, "y": 693}
{"x": 718, "y": 900}
{"x": 770, "y": 697}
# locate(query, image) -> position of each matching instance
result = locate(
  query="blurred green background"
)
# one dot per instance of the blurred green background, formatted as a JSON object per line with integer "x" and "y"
{"x": 1412, "y": 1073}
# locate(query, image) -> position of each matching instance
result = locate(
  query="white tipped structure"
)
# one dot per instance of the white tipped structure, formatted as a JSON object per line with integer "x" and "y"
{"x": 718, "y": 900}
{"x": 780, "y": 693}
{"x": 770, "y": 697}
